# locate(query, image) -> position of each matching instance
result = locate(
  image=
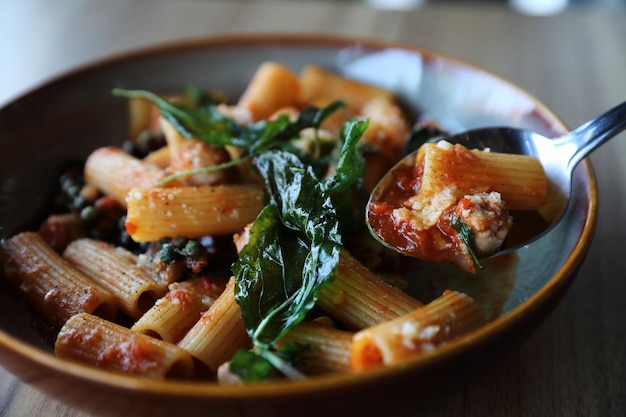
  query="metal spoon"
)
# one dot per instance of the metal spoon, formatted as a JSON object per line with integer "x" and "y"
{"x": 559, "y": 156}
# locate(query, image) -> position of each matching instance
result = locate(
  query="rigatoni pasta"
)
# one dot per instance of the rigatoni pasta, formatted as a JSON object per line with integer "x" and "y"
{"x": 115, "y": 172}
{"x": 417, "y": 333}
{"x": 154, "y": 213}
{"x": 359, "y": 299}
{"x": 219, "y": 332}
{"x": 172, "y": 315}
{"x": 330, "y": 347}
{"x": 134, "y": 288}
{"x": 520, "y": 179}
{"x": 273, "y": 87}
{"x": 50, "y": 283}
{"x": 317, "y": 82}
{"x": 93, "y": 340}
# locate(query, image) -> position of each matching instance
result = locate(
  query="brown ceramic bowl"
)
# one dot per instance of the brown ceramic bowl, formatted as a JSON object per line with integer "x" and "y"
{"x": 71, "y": 115}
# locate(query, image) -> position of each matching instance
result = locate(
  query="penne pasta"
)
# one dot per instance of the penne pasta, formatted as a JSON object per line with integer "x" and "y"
{"x": 358, "y": 298}
{"x": 273, "y": 86}
{"x": 51, "y": 284}
{"x": 416, "y": 333}
{"x": 141, "y": 116}
{"x": 171, "y": 317}
{"x": 330, "y": 347}
{"x": 520, "y": 179}
{"x": 387, "y": 130}
{"x": 219, "y": 333}
{"x": 114, "y": 172}
{"x": 93, "y": 340}
{"x": 317, "y": 82}
{"x": 453, "y": 204}
{"x": 155, "y": 213}
{"x": 134, "y": 288}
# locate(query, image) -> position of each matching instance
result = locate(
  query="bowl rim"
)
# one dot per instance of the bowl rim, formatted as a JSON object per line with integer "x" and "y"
{"x": 500, "y": 326}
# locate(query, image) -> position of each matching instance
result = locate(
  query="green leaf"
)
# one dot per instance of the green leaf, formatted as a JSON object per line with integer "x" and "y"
{"x": 351, "y": 165}
{"x": 200, "y": 98}
{"x": 253, "y": 367}
{"x": 294, "y": 244}
{"x": 466, "y": 234}
{"x": 260, "y": 289}
{"x": 204, "y": 123}
{"x": 292, "y": 253}
{"x": 275, "y": 133}
{"x": 250, "y": 367}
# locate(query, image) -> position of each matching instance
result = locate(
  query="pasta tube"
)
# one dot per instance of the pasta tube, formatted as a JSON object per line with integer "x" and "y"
{"x": 330, "y": 350}
{"x": 173, "y": 315}
{"x": 92, "y": 340}
{"x": 154, "y": 213}
{"x": 135, "y": 288}
{"x": 219, "y": 333}
{"x": 160, "y": 157}
{"x": 317, "y": 82}
{"x": 359, "y": 299}
{"x": 273, "y": 87}
{"x": 114, "y": 172}
{"x": 453, "y": 204}
{"x": 141, "y": 114}
{"x": 416, "y": 333}
{"x": 50, "y": 283}
{"x": 520, "y": 179}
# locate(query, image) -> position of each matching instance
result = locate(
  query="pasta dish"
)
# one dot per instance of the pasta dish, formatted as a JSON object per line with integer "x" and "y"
{"x": 225, "y": 241}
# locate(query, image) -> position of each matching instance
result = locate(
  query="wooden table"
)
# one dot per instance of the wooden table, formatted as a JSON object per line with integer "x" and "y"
{"x": 575, "y": 62}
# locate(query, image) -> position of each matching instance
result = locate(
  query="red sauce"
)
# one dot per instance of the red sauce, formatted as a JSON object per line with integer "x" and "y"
{"x": 135, "y": 356}
{"x": 438, "y": 243}
{"x": 180, "y": 296}
{"x": 131, "y": 228}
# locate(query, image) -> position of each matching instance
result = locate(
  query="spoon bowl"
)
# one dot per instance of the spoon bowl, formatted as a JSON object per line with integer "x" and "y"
{"x": 558, "y": 157}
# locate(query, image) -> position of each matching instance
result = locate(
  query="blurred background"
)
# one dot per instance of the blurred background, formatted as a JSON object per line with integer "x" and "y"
{"x": 33, "y": 44}
{"x": 531, "y": 7}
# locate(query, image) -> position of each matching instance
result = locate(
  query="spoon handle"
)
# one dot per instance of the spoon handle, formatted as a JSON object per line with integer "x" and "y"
{"x": 583, "y": 140}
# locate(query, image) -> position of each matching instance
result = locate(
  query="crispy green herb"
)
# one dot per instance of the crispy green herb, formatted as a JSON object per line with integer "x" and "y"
{"x": 252, "y": 367}
{"x": 466, "y": 234}
{"x": 203, "y": 122}
{"x": 294, "y": 244}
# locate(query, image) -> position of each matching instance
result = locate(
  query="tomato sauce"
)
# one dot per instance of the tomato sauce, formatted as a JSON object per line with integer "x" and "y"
{"x": 439, "y": 243}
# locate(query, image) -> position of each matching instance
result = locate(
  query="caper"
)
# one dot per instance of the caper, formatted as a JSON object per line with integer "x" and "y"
{"x": 167, "y": 254}
{"x": 89, "y": 214}
{"x": 79, "y": 203}
{"x": 193, "y": 249}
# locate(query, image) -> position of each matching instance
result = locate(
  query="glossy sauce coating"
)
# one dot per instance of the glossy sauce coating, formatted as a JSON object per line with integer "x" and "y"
{"x": 438, "y": 243}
